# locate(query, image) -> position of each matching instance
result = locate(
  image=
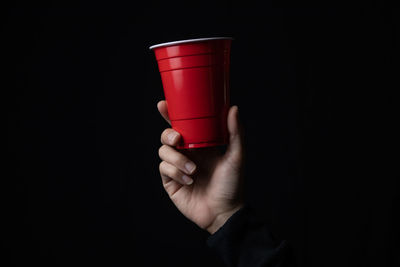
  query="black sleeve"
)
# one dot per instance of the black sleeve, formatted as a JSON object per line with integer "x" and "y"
{"x": 244, "y": 240}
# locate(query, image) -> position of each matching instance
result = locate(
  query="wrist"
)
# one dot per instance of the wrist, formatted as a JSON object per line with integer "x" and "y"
{"x": 221, "y": 219}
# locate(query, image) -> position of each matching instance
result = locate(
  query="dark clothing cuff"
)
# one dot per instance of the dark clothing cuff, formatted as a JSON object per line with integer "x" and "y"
{"x": 245, "y": 240}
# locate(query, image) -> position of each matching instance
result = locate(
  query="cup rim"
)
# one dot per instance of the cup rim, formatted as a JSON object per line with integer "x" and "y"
{"x": 188, "y": 41}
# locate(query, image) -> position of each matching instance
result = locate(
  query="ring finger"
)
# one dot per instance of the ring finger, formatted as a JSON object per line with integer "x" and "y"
{"x": 174, "y": 173}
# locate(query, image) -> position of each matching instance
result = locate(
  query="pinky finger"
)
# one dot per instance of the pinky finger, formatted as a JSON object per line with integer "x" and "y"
{"x": 170, "y": 185}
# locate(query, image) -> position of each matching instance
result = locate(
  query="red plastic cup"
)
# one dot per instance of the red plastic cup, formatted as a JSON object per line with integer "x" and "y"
{"x": 195, "y": 78}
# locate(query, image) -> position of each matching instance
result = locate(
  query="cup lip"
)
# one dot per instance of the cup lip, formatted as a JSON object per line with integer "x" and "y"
{"x": 188, "y": 41}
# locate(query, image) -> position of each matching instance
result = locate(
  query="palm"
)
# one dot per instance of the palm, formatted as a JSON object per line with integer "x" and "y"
{"x": 215, "y": 183}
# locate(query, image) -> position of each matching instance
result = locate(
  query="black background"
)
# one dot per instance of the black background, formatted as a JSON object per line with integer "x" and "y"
{"x": 316, "y": 92}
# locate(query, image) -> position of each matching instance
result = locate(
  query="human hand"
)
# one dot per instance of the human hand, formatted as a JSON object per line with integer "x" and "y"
{"x": 205, "y": 184}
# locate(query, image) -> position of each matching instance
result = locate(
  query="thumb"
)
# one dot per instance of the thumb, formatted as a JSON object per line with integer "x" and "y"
{"x": 235, "y": 148}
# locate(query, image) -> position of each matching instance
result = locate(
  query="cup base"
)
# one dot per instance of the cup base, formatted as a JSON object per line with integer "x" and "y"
{"x": 199, "y": 145}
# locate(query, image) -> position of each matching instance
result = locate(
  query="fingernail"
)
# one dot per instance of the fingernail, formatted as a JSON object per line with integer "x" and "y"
{"x": 172, "y": 137}
{"x": 187, "y": 179}
{"x": 189, "y": 166}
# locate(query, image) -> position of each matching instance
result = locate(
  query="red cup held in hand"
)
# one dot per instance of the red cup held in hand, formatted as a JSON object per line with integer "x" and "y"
{"x": 195, "y": 78}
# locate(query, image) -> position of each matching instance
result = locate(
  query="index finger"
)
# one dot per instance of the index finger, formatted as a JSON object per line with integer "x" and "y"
{"x": 162, "y": 108}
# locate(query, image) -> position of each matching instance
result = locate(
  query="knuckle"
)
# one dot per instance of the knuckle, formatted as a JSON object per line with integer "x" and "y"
{"x": 161, "y": 166}
{"x": 165, "y": 134}
{"x": 160, "y": 169}
{"x": 166, "y": 185}
{"x": 161, "y": 151}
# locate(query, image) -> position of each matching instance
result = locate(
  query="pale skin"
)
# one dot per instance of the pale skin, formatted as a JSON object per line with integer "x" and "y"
{"x": 205, "y": 184}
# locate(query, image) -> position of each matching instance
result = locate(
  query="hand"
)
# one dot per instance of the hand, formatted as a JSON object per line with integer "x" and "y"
{"x": 205, "y": 184}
